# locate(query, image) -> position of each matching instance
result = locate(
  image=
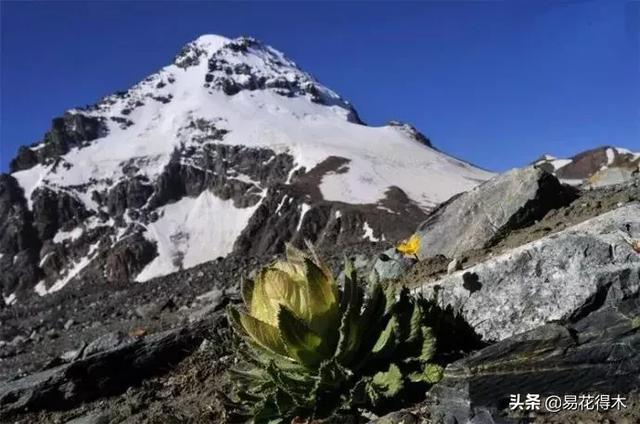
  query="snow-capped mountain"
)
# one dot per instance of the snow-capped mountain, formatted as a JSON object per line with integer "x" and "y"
{"x": 593, "y": 168}
{"x": 230, "y": 148}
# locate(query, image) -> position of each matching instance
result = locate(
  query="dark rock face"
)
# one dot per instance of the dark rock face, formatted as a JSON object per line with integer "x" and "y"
{"x": 289, "y": 213}
{"x": 128, "y": 257}
{"x": 55, "y": 210}
{"x": 71, "y": 130}
{"x": 129, "y": 193}
{"x": 230, "y": 172}
{"x": 598, "y": 354}
{"x": 480, "y": 217}
{"x": 19, "y": 242}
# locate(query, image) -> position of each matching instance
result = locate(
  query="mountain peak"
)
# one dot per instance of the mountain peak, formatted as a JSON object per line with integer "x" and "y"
{"x": 246, "y": 64}
{"x": 230, "y": 148}
{"x": 211, "y": 42}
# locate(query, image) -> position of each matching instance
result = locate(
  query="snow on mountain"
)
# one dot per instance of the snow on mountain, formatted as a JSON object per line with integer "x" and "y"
{"x": 232, "y": 147}
{"x": 309, "y": 131}
{"x": 195, "y": 230}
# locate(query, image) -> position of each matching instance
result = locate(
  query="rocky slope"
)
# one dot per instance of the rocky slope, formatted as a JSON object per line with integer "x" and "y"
{"x": 555, "y": 297}
{"x": 232, "y": 148}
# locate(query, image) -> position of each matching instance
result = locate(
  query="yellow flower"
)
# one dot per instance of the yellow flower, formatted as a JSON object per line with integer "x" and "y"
{"x": 410, "y": 246}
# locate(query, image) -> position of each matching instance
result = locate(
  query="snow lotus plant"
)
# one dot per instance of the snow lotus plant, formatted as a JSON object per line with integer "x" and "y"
{"x": 314, "y": 350}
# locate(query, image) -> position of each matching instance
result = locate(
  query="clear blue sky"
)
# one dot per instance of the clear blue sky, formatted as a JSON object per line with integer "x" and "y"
{"x": 495, "y": 83}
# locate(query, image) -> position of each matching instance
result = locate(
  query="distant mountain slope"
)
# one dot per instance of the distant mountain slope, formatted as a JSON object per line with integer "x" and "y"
{"x": 231, "y": 148}
{"x": 593, "y": 168}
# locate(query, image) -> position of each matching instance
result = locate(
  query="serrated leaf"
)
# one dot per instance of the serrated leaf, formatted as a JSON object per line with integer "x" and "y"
{"x": 431, "y": 374}
{"x": 328, "y": 389}
{"x": 300, "y": 341}
{"x": 388, "y": 338}
{"x": 350, "y": 324}
{"x": 385, "y": 384}
{"x": 428, "y": 344}
{"x": 358, "y": 393}
{"x": 350, "y": 291}
{"x": 415, "y": 331}
{"x": 346, "y": 339}
{"x": 248, "y": 398}
{"x": 390, "y": 298}
{"x": 284, "y": 402}
{"x": 295, "y": 383}
{"x": 253, "y": 375}
{"x": 332, "y": 374}
{"x": 267, "y": 413}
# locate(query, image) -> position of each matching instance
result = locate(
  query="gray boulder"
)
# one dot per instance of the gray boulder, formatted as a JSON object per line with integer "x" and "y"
{"x": 392, "y": 264}
{"x": 562, "y": 276}
{"x": 484, "y": 214}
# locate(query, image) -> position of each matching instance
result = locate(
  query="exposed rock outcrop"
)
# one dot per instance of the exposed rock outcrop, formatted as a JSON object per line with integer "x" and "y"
{"x": 482, "y": 215}
{"x": 128, "y": 257}
{"x": 559, "y": 277}
{"x": 56, "y": 210}
{"x": 70, "y": 130}
{"x": 19, "y": 242}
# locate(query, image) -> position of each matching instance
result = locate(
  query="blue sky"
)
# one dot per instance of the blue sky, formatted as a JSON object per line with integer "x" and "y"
{"x": 495, "y": 83}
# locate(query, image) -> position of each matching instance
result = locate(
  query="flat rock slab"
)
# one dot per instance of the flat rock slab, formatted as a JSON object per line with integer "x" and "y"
{"x": 598, "y": 355}
{"x": 560, "y": 277}
{"x": 110, "y": 370}
{"x": 474, "y": 219}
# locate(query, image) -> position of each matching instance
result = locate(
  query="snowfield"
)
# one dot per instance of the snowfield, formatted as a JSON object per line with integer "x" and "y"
{"x": 192, "y": 231}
